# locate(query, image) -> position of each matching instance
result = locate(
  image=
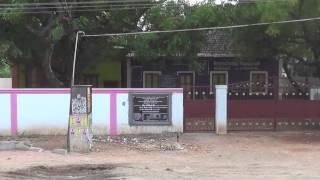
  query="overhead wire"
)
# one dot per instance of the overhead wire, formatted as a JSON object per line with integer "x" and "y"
{"x": 47, "y": 10}
{"x": 98, "y": 5}
{"x": 120, "y": 2}
{"x": 74, "y": 7}
{"x": 205, "y": 28}
{"x": 74, "y": 3}
{"x": 92, "y": 7}
{"x": 81, "y": 10}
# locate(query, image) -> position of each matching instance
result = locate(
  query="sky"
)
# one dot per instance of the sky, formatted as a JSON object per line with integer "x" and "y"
{"x": 196, "y": 1}
{"x": 217, "y": 1}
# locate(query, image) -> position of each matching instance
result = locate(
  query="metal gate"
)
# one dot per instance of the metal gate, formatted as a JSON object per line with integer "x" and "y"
{"x": 199, "y": 110}
{"x": 286, "y": 110}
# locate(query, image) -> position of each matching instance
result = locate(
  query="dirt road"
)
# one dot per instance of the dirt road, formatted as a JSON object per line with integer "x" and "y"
{"x": 238, "y": 155}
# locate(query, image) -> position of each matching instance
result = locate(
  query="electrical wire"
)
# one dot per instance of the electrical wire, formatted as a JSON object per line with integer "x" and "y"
{"x": 74, "y": 3}
{"x": 20, "y": 5}
{"x": 206, "y": 28}
{"x": 74, "y": 7}
{"x": 80, "y": 10}
{"x": 101, "y": 7}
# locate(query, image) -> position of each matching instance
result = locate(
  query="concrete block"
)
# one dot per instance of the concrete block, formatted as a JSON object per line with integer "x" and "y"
{"x": 21, "y": 146}
{"x": 60, "y": 151}
{"x": 7, "y": 145}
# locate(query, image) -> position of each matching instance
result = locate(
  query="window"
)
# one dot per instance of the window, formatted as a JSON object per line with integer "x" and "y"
{"x": 186, "y": 81}
{"x": 258, "y": 82}
{"x": 151, "y": 79}
{"x": 91, "y": 79}
{"x": 218, "y": 78}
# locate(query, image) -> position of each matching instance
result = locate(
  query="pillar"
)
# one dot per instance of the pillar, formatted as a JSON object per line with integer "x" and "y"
{"x": 80, "y": 120}
{"x": 221, "y": 109}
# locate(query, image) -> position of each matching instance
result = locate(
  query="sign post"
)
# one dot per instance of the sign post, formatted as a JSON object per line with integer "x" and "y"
{"x": 80, "y": 119}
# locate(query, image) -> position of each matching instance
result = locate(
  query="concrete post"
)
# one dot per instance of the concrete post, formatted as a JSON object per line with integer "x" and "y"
{"x": 221, "y": 109}
{"x": 80, "y": 121}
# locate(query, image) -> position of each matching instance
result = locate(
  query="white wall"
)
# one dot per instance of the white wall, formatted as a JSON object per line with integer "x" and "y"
{"x": 123, "y": 126}
{"x": 5, "y": 82}
{"x": 43, "y": 113}
{"x": 48, "y": 113}
{"x": 100, "y": 113}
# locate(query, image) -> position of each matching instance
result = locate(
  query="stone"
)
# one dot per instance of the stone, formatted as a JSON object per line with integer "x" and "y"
{"x": 60, "y": 151}
{"x": 168, "y": 169}
{"x": 179, "y": 146}
{"x": 36, "y": 149}
{"x": 21, "y": 146}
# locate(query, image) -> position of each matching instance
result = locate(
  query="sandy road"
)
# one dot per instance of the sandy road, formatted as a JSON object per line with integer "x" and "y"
{"x": 238, "y": 155}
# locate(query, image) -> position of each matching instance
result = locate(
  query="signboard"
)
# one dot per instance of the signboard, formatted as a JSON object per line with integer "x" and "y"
{"x": 150, "y": 109}
{"x": 80, "y": 119}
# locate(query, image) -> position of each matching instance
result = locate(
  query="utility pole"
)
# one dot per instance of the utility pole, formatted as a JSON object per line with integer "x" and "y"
{"x": 79, "y": 33}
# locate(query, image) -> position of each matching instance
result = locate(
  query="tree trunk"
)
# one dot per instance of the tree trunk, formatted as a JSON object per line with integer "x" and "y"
{"x": 51, "y": 78}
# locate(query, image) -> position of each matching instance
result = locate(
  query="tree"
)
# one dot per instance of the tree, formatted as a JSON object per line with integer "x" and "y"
{"x": 291, "y": 42}
{"x": 46, "y": 38}
{"x": 181, "y": 46}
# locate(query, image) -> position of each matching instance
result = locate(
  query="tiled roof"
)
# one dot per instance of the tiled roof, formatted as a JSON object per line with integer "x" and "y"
{"x": 218, "y": 44}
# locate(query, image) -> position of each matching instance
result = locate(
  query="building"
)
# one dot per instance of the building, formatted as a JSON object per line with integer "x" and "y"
{"x": 220, "y": 65}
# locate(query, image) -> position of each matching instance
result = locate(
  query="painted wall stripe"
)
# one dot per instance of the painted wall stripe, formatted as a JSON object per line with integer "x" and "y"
{"x": 14, "y": 113}
{"x": 113, "y": 114}
{"x": 95, "y": 90}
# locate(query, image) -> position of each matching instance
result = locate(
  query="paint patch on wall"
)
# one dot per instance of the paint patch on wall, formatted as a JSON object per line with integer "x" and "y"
{"x": 5, "y": 114}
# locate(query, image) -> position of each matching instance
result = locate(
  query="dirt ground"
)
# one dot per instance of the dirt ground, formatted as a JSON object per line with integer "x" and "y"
{"x": 238, "y": 155}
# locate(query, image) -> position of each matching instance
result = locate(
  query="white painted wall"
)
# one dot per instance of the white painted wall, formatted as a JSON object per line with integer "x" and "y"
{"x": 43, "y": 113}
{"x": 5, "y": 82}
{"x": 5, "y": 114}
{"x": 100, "y": 113}
{"x": 123, "y": 126}
{"x": 49, "y": 113}
{"x": 221, "y": 109}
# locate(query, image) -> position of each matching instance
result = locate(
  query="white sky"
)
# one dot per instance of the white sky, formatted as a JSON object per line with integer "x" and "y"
{"x": 196, "y": 1}
{"x": 216, "y": 1}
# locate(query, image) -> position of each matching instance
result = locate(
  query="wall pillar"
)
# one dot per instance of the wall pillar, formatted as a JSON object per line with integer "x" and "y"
{"x": 113, "y": 114}
{"x": 221, "y": 109}
{"x": 14, "y": 114}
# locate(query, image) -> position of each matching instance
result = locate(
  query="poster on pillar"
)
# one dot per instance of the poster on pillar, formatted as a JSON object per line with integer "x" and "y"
{"x": 80, "y": 119}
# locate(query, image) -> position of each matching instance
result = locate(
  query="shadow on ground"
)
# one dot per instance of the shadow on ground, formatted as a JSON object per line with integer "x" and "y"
{"x": 78, "y": 172}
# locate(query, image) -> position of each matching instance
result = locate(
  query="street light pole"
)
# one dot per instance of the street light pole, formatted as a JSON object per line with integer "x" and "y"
{"x": 75, "y": 56}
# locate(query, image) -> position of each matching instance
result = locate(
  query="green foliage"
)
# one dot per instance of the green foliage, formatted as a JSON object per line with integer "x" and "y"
{"x": 26, "y": 38}
{"x": 9, "y": 48}
{"x": 290, "y": 41}
{"x": 4, "y": 69}
{"x": 47, "y": 40}
{"x": 181, "y": 46}
{"x": 57, "y": 33}
{"x": 80, "y": 22}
